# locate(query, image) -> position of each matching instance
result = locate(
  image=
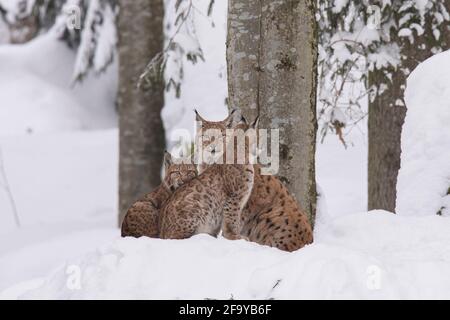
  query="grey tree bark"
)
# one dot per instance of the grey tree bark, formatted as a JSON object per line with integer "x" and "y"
{"x": 384, "y": 133}
{"x": 386, "y": 119}
{"x": 272, "y": 72}
{"x": 142, "y": 140}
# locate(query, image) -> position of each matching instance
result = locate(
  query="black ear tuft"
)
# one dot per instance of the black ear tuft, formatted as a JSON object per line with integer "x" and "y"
{"x": 234, "y": 118}
{"x": 167, "y": 159}
{"x": 198, "y": 117}
{"x": 255, "y": 123}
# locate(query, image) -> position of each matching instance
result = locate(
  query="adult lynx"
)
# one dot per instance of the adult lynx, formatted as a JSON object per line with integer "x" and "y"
{"x": 271, "y": 216}
{"x": 212, "y": 201}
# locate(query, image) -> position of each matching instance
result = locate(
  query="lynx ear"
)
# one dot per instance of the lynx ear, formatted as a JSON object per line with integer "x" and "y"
{"x": 167, "y": 160}
{"x": 198, "y": 117}
{"x": 233, "y": 118}
{"x": 255, "y": 123}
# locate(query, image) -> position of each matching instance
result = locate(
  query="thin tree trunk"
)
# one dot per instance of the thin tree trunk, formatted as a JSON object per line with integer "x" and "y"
{"x": 386, "y": 117}
{"x": 384, "y": 133}
{"x": 142, "y": 138}
{"x": 272, "y": 72}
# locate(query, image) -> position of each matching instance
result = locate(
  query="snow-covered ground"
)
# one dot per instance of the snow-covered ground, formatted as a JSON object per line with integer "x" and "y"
{"x": 364, "y": 255}
{"x": 58, "y": 159}
{"x": 38, "y": 95}
{"x": 59, "y": 154}
{"x": 65, "y": 189}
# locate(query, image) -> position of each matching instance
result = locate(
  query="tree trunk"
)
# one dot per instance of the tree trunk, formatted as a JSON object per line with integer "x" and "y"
{"x": 272, "y": 72}
{"x": 386, "y": 116}
{"x": 24, "y": 26}
{"x": 23, "y": 30}
{"x": 384, "y": 131}
{"x": 142, "y": 139}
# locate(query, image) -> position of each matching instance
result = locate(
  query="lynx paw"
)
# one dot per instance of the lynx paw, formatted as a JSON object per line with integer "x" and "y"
{"x": 235, "y": 237}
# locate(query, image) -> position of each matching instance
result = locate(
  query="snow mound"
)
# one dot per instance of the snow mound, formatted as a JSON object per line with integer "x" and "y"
{"x": 424, "y": 177}
{"x": 37, "y": 93}
{"x": 366, "y": 255}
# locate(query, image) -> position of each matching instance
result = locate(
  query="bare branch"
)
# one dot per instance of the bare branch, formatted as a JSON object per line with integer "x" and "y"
{"x": 8, "y": 191}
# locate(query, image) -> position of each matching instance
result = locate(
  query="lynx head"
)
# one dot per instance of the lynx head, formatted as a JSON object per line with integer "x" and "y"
{"x": 213, "y": 140}
{"x": 177, "y": 173}
{"x": 244, "y": 141}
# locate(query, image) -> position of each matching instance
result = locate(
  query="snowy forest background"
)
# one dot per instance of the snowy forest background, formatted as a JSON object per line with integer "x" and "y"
{"x": 59, "y": 154}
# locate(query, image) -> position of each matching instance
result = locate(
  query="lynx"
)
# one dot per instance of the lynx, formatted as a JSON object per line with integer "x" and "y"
{"x": 142, "y": 217}
{"x": 271, "y": 216}
{"x": 212, "y": 201}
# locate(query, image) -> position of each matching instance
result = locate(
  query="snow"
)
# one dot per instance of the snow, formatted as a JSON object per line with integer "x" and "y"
{"x": 98, "y": 39}
{"x": 15, "y": 10}
{"x": 29, "y": 261}
{"x": 65, "y": 189}
{"x": 405, "y": 32}
{"x": 63, "y": 217}
{"x": 48, "y": 174}
{"x": 367, "y": 255}
{"x": 36, "y": 79}
{"x": 342, "y": 174}
{"x": 421, "y": 6}
{"x": 58, "y": 142}
{"x": 88, "y": 35}
{"x": 107, "y": 40}
{"x": 64, "y": 178}
{"x": 338, "y": 5}
{"x": 425, "y": 161}
{"x": 361, "y": 39}
{"x": 60, "y": 150}
{"x": 210, "y": 74}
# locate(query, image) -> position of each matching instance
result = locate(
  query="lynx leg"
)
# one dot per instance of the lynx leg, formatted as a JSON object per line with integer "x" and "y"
{"x": 231, "y": 223}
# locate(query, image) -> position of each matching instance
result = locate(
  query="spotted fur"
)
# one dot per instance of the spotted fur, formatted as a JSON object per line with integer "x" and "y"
{"x": 211, "y": 202}
{"x": 143, "y": 216}
{"x": 271, "y": 216}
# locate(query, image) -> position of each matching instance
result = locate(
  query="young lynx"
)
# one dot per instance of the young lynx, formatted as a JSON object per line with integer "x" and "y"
{"x": 142, "y": 217}
{"x": 212, "y": 201}
{"x": 271, "y": 216}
